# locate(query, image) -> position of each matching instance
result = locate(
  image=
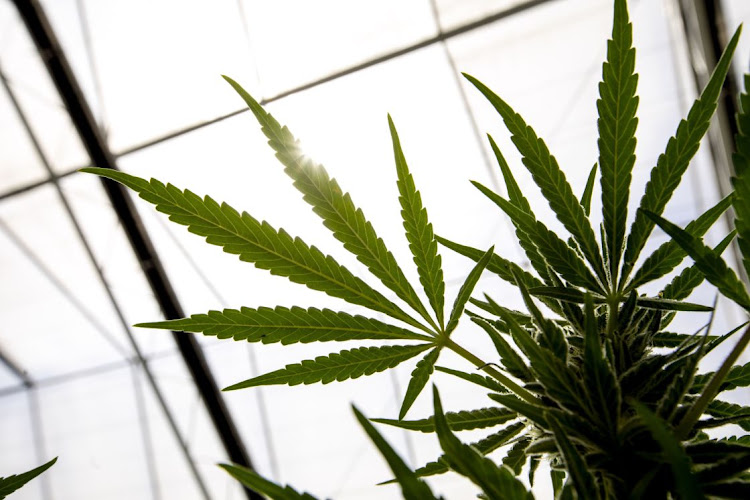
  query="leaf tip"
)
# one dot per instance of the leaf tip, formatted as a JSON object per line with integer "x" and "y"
{"x": 90, "y": 170}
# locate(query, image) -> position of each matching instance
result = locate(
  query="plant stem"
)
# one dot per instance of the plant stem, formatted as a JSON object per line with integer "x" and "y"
{"x": 712, "y": 389}
{"x": 507, "y": 382}
{"x": 612, "y": 305}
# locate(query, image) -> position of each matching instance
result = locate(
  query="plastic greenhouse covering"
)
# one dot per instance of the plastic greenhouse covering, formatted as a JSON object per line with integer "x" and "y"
{"x": 72, "y": 385}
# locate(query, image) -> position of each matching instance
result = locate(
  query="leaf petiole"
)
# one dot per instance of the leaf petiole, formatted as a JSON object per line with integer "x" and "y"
{"x": 490, "y": 370}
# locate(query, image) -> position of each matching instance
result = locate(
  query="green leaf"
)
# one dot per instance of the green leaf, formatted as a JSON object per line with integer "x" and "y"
{"x": 498, "y": 483}
{"x": 710, "y": 264}
{"x": 252, "y": 480}
{"x": 670, "y": 254}
{"x": 671, "y": 305}
{"x": 745, "y": 440}
{"x": 542, "y": 445}
{"x": 12, "y": 483}
{"x": 558, "y": 379}
{"x": 503, "y": 268}
{"x": 738, "y": 376}
{"x": 712, "y": 423}
{"x": 690, "y": 277}
{"x": 347, "y": 222}
{"x": 600, "y": 380}
{"x": 557, "y": 477}
{"x": 556, "y": 252}
{"x": 465, "y": 292}
{"x": 257, "y": 242}
{"x": 674, "y": 454}
{"x": 706, "y": 452}
{"x": 533, "y": 412}
{"x": 680, "y": 384}
{"x": 551, "y": 336}
{"x": 723, "y": 409}
{"x": 286, "y": 325}
{"x": 533, "y": 466}
{"x": 516, "y": 457}
{"x": 339, "y": 366}
{"x": 741, "y": 182}
{"x": 672, "y": 339}
{"x": 419, "y": 232}
{"x": 517, "y": 198}
{"x": 493, "y": 307}
{"x": 727, "y": 468}
{"x": 548, "y": 176}
{"x": 670, "y": 166}
{"x": 736, "y": 490}
{"x": 575, "y": 465}
{"x": 412, "y": 487}
{"x": 741, "y": 158}
{"x": 484, "y": 446}
{"x": 563, "y": 293}
{"x": 617, "y": 124}
{"x": 481, "y": 380}
{"x": 588, "y": 192}
{"x": 510, "y": 359}
{"x": 460, "y": 421}
{"x": 419, "y": 378}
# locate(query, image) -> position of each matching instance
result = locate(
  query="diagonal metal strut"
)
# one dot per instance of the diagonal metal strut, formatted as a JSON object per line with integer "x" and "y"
{"x": 82, "y": 118}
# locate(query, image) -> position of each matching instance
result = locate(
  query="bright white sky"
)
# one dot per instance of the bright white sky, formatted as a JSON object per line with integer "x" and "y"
{"x": 154, "y": 68}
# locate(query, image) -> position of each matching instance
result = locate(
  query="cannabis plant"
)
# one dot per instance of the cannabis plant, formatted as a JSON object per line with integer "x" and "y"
{"x": 588, "y": 377}
{"x": 12, "y": 483}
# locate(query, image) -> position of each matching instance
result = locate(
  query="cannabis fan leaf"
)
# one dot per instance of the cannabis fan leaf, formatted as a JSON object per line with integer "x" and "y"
{"x": 10, "y": 484}
{"x": 587, "y": 377}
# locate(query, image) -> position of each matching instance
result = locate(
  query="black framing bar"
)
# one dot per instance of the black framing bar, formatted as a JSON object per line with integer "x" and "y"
{"x": 31, "y": 255}
{"x": 70, "y": 92}
{"x": 16, "y": 370}
{"x": 707, "y": 35}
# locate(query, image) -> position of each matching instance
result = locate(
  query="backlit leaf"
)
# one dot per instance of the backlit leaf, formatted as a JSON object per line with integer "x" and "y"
{"x": 255, "y": 482}
{"x": 674, "y": 454}
{"x": 583, "y": 479}
{"x": 691, "y": 277}
{"x": 481, "y": 380}
{"x": 548, "y": 176}
{"x": 670, "y": 254}
{"x": 617, "y": 123}
{"x": 588, "y": 191}
{"x": 741, "y": 182}
{"x": 257, "y": 242}
{"x": 556, "y": 252}
{"x": 738, "y": 376}
{"x": 484, "y": 446}
{"x": 709, "y": 262}
{"x": 419, "y": 232}
{"x": 12, "y": 483}
{"x": 466, "y": 289}
{"x": 671, "y": 165}
{"x": 460, "y": 421}
{"x": 496, "y": 482}
{"x": 419, "y": 378}
{"x": 347, "y": 222}
{"x": 339, "y": 366}
{"x": 286, "y": 325}
{"x": 518, "y": 199}
{"x": 412, "y": 487}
